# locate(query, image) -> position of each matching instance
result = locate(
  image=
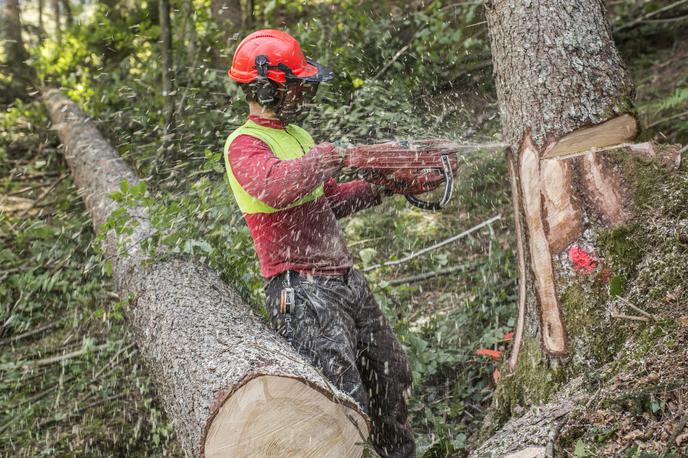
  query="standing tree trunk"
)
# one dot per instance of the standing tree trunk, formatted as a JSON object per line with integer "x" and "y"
{"x": 58, "y": 27}
{"x": 230, "y": 385}
{"x": 15, "y": 52}
{"x": 167, "y": 66}
{"x": 563, "y": 91}
{"x": 188, "y": 33}
{"x": 69, "y": 17}
{"x": 41, "y": 27}
{"x": 227, "y": 15}
{"x": 251, "y": 13}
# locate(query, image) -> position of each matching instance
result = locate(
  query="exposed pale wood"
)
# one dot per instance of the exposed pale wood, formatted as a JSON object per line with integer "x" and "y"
{"x": 603, "y": 188}
{"x": 199, "y": 340}
{"x": 615, "y": 131}
{"x": 629, "y": 317}
{"x": 521, "y": 257}
{"x": 562, "y": 210}
{"x": 552, "y": 326}
{"x": 560, "y": 81}
{"x": 667, "y": 155}
{"x": 10, "y": 204}
{"x": 282, "y": 417}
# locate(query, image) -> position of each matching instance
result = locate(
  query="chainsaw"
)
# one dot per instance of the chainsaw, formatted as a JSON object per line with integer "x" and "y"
{"x": 412, "y": 167}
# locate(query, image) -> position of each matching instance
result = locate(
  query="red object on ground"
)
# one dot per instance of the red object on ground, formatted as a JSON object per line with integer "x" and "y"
{"x": 582, "y": 261}
{"x": 508, "y": 337}
{"x": 307, "y": 238}
{"x": 495, "y": 355}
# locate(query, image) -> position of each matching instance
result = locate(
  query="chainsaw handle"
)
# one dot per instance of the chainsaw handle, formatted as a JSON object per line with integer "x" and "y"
{"x": 448, "y": 190}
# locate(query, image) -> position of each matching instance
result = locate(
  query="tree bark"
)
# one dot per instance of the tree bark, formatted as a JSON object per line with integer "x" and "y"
{"x": 227, "y": 15}
{"x": 167, "y": 66}
{"x": 230, "y": 385}
{"x": 189, "y": 33}
{"x": 15, "y": 52}
{"x": 69, "y": 17}
{"x": 58, "y": 27}
{"x": 563, "y": 91}
{"x": 558, "y": 74}
{"x": 41, "y": 27}
{"x": 14, "y": 44}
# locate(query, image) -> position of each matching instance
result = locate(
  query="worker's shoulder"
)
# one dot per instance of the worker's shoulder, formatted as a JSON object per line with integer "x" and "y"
{"x": 245, "y": 143}
{"x": 293, "y": 128}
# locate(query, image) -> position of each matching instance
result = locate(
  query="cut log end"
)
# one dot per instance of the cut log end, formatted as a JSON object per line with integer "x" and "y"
{"x": 285, "y": 417}
{"x": 615, "y": 131}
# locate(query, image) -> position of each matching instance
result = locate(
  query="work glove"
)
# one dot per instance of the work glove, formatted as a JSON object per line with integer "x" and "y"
{"x": 329, "y": 156}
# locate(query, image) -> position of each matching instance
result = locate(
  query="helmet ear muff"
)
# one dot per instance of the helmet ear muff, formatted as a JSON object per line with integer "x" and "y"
{"x": 266, "y": 92}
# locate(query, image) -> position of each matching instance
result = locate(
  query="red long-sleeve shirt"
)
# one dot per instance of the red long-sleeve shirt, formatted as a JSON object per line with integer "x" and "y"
{"x": 306, "y": 238}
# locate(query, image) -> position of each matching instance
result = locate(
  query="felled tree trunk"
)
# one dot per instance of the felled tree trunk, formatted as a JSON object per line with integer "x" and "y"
{"x": 564, "y": 95}
{"x": 230, "y": 386}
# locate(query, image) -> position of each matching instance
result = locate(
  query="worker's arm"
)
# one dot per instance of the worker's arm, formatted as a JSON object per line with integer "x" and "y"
{"x": 276, "y": 182}
{"x": 348, "y": 198}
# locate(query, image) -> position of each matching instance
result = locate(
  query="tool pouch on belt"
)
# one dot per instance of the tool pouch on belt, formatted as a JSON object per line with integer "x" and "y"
{"x": 286, "y": 300}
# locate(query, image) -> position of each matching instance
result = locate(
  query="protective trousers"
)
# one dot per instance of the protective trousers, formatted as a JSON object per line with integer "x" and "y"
{"x": 338, "y": 327}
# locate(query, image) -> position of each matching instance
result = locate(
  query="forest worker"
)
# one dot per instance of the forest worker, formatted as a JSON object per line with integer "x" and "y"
{"x": 284, "y": 185}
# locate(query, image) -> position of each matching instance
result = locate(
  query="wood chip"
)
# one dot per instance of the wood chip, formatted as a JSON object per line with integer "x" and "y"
{"x": 11, "y": 204}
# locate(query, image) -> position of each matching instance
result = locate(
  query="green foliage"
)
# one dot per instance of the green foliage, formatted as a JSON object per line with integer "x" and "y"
{"x": 203, "y": 222}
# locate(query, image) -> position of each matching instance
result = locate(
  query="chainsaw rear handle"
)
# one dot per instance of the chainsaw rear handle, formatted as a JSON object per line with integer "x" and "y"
{"x": 448, "y": 190}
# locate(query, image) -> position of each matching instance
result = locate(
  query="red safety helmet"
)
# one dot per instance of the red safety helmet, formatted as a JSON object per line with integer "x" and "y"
{"x": 285, "y": 60}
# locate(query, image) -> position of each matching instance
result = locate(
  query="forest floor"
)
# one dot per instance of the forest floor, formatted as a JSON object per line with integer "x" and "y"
{"x": 72, "y": 381}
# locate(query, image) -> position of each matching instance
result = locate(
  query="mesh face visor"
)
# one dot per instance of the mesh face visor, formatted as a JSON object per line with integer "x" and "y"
{"x": 298, "y": 97}
{"x": 303, "y": 90}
